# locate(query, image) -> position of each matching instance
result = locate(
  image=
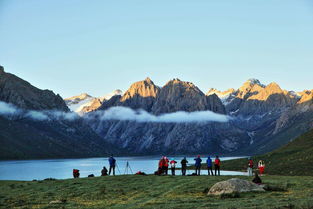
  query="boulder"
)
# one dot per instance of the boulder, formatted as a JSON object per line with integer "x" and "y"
{"x": 234, "y": 185}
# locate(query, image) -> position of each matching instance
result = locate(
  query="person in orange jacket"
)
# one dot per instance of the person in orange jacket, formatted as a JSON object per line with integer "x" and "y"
{"x": 217, "y": 165}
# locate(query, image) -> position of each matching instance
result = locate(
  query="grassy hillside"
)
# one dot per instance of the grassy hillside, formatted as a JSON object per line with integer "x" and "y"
{"x": 295, "y": 158}
{"x": 151, "y": 192}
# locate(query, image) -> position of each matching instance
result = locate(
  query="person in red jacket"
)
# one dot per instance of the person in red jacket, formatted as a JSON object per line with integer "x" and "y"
{"x": 261, "y": 167}
{"x": 217, "y": 165}
{"x": 173, "y": 165}
{"x": 165, "y": 165}
{"x": 76, "y": 173}
{"x": 161, "y": 166}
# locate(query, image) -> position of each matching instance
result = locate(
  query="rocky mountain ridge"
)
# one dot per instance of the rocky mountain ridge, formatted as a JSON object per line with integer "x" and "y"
{"x": 22, "y": 94}
{"x": 263, "y": 116}
{"x": 175, "y": 95}
{"x": 27, "y": 138}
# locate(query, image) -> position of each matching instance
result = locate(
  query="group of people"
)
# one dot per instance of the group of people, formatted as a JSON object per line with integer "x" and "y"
{"x": 261, "y": 167}
{"x": 209, "y": 165}
{"x": 104, "y": 171}
{"x": 112, "y": 163}
{"x": 164, "y": 164}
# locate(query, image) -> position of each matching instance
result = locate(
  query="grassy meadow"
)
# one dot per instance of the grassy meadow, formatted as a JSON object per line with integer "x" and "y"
{"x": 150, "y": 191}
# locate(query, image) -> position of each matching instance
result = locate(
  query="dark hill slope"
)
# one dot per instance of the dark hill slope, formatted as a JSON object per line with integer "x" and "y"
{"x": 28, "y": 139}
{"x": 295, "y": 158}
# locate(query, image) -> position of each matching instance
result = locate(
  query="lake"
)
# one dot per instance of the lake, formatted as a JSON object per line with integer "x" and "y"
{"x": 63, "y": 168}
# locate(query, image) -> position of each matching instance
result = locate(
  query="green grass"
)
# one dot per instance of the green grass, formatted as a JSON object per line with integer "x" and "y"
{"x": 296, "y": 158}
{"x": 153, "y": 192}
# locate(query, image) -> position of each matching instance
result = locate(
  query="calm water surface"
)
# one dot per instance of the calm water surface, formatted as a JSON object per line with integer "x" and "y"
{"x": 62, "y": 168}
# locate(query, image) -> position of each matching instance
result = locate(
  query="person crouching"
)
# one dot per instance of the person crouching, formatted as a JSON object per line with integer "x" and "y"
{"x": 104, "y": 171}
{"x": 76, "y": 173}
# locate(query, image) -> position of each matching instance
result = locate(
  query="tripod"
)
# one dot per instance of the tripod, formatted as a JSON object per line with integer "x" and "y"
{"x": 128, "y": 167}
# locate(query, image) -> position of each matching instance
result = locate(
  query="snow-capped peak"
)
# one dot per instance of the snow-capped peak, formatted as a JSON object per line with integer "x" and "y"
{"x": 77, "y": 98}
{"x": 85, "y": 103}
{"x": 109, "y": 95}
{"x": 77, "y": 103}
{"x": 224, "y": 96}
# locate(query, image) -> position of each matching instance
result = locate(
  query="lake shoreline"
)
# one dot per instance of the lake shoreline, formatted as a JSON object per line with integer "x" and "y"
{"x": 62, "y": 168}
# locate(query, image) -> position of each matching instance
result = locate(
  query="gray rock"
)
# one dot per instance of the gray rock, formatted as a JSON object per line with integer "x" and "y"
{"x": 234, "y": 185}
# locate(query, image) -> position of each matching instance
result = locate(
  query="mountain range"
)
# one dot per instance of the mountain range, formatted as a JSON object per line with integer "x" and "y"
{"x": 261, "y": 118}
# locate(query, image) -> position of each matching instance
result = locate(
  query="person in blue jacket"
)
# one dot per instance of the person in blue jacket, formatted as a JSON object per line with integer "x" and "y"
{"x": 112, "y": 163}
{"x": 198, "y": 165}
{"x": 209, "y": 165}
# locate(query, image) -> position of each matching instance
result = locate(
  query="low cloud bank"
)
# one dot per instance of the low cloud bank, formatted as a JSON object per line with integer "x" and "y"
{"x": 114, "y": 113}
{"x": 7, "y": 109}
{"x": 12, "y": 112}
{"x": 125, "y": 113}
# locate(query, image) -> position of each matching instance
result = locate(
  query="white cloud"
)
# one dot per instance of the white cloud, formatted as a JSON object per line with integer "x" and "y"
{"x": 7, "y": 109}
{"x": 59, "y": 115}
{"x": 114, "y": 113}
{"x": 36, "y": 115}
{"x": 125, "y": 113}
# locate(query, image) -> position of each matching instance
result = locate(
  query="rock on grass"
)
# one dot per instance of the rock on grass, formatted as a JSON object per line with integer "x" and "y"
{"x": 234, "y": 185}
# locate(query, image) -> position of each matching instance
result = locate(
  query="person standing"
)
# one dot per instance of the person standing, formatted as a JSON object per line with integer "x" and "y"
{"x": 261, "y": 167}
{"x": 166, "y": 161}
{"x": 173, "y": 165}
{"x": 198, "y": 161}
{"x": 183, "y": 163}
{"x": 217, "y": 165}
{"x": 112, "y": 163}
{"x": 161, "y": 166}
{"x": 250, "y": 167}
{"x": 209, "y": 165}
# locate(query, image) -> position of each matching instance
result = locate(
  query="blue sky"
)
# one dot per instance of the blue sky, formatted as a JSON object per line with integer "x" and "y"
{"x": 95, "y": 46}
